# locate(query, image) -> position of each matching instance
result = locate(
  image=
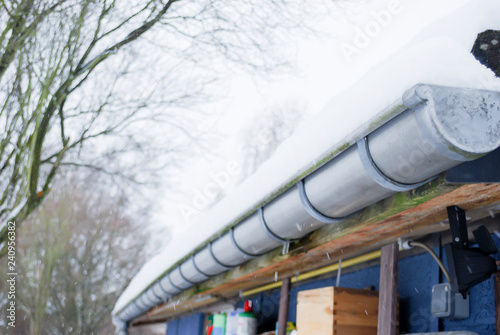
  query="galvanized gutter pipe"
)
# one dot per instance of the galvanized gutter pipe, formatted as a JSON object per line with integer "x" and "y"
{"x": 435, "y": 128}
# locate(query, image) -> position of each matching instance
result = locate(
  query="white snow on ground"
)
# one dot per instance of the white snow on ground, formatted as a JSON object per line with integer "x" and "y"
{"x": 432, "y": 49}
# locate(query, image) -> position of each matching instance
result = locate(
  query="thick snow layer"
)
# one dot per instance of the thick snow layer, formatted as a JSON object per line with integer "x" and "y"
{"x": 436, "y": 52}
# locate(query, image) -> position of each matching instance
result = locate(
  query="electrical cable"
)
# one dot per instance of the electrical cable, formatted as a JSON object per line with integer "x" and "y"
{"x": 433, "y": 254}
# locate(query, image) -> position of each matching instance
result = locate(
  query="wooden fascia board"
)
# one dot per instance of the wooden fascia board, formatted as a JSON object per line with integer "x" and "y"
{"x": 402, "y": 214}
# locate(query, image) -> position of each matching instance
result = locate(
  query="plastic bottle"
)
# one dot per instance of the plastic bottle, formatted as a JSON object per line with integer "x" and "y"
{"x": 219, "y": 324}
{"x": 232, "y": 322}
{"x": 247, "y": 321}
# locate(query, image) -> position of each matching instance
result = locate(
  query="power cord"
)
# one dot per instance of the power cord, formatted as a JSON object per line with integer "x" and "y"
{"x": 433, "y": 254}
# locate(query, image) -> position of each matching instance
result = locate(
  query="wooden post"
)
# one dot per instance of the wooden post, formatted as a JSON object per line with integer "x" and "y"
{"x": 388, "y": 290}
{"x": 284, "y": 301}
{"x": 497, "y": 301}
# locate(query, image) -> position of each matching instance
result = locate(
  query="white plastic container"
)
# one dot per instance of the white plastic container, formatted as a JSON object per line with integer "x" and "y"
{"x": 232, "y": 322}
{"x": 247, "y": 321}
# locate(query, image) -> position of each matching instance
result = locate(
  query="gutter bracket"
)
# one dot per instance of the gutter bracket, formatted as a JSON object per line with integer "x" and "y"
{"x": 227, "y": 267}
{"x": 172, "y": 283}
{"x": 310, "y": 208}
{"x": 240, "y": 249}
{"x": 136, "y": 307}
{"x": 157, "y": 296}
{"x": 183, "y": 277}
{"x": 267, "y": 230}
{"x": 198, "y": 269}
{"x": 378, "y": 176}
{"x": 163, "y": 289}
{"x": 139, "y": 305}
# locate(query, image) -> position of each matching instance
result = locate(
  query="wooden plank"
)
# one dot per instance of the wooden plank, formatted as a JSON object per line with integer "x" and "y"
{"x": 402, "y": 214}
{"x": 284, "y": 301}
{"x": 315, "y": 312}
{"x": 337, "y": 311}
{"x": 363, "y": 313}
{"x": 358, "y": 330}
{"x": 497, "y": 301}
{"x": 388, "y": 290}
{"x": 358, "y": 307}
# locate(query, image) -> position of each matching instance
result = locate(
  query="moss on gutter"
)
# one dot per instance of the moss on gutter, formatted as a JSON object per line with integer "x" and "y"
{"x": 386, "y": 117}
{"x": 468, "y": 156}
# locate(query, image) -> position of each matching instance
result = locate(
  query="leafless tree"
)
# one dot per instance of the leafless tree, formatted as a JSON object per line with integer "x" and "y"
{"x": 75, "y": 255}
{"x": 83, "y": 83}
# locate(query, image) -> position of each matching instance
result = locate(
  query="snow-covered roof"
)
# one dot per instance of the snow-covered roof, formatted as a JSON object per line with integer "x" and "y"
{"x": 439, "y": 54}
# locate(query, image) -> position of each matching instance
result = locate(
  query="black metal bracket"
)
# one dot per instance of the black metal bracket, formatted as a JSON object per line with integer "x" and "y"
{"x": 468, "y": 266}
{"x": 458, "y": 226}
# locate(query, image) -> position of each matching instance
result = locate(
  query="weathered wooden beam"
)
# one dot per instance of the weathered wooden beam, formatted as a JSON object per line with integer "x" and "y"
{"x": 374, "y": 227}
{"x": 379, "y": 224}
{"x": 388, "y": 290}
{"x": 284, "y": 301}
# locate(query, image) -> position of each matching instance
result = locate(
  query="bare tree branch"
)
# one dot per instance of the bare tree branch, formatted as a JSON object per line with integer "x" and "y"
{"x": 67, "y": 103}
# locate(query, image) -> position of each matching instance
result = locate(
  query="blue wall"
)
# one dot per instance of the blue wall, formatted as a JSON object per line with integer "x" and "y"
{"x": 417, "y": 275}
{"x": 190, "y": 325}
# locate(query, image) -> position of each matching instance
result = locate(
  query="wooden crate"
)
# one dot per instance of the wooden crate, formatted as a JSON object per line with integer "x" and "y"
{"x": 337, "y": 311}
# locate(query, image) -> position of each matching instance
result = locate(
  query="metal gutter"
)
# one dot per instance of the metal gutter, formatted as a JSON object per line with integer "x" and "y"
{"x": 433, "y": 129}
